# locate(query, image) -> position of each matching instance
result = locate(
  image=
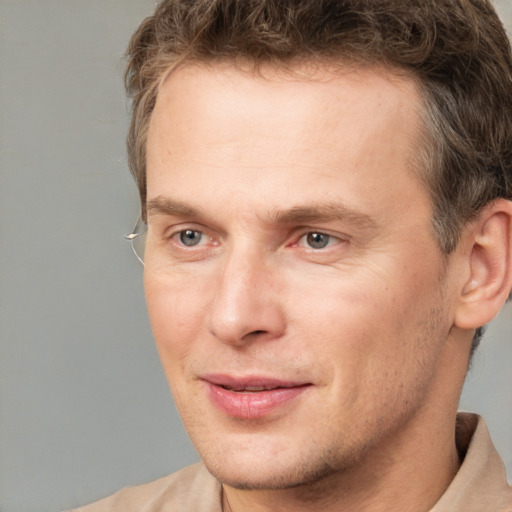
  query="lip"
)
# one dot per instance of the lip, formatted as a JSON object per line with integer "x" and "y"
{"x": 242, "y": 397}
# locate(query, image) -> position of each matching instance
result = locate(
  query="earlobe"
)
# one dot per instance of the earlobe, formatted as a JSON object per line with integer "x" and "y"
{"x": 488, "y": 257}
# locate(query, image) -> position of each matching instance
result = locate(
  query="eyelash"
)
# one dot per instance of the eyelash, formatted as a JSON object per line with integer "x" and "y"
{"x": 307, "y": 237}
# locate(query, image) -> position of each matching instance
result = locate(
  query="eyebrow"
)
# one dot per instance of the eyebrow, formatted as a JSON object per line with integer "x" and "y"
{"x": 318, "y": 212}
{"x": 323, "y": 212}
{"x": 167, "y": 206}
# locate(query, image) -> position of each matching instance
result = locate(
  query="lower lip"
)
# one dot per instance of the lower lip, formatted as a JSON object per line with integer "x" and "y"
{"x": 252, "y": 405}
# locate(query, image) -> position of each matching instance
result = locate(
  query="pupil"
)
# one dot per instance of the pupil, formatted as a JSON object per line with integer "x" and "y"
{"x": 190, "y": 237}
{"x": 317, "y": 240}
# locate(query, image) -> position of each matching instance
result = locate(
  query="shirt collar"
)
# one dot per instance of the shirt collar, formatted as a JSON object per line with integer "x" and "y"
{"x": 480, "y": 484}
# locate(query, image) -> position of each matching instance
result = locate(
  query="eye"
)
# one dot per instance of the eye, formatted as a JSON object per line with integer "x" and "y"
{"x": 317, "y": 240}
{"x": 190, "y": 237}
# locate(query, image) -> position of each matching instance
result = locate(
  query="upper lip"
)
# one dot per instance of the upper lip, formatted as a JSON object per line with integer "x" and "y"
{"x": 251, "y": 382}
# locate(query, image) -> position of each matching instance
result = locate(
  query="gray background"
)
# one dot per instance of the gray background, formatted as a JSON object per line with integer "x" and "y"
{"x": 84, "y": 406}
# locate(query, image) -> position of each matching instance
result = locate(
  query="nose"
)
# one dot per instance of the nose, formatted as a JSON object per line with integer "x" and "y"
{"x": 246, "y": 303}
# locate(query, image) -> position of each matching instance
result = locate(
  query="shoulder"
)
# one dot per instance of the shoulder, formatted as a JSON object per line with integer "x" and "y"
{"x": 191, "y": 488}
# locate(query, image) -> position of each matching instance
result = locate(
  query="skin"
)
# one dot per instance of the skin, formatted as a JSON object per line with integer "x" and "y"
{"x": 251, "y": 164}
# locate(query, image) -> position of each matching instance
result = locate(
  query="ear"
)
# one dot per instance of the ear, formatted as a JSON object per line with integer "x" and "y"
{"x": 487, "y": 251}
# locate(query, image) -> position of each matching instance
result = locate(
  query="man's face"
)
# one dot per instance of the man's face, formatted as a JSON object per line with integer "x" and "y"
{"x": 292, "y": 280}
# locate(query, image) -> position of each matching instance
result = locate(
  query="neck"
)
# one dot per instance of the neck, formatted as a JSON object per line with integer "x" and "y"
{"x": 401, "y": 476}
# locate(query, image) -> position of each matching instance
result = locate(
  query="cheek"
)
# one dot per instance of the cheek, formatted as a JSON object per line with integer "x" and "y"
{"x": 366, "y": 323}
{"x": 350, "y": 306}
{"x": 346, "y": 328}
{"x": 175, "y": 313}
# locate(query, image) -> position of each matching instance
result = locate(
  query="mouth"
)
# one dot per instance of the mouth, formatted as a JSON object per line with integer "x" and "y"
{"x": 252, "y": 397}
{"x": 252, "y": 389}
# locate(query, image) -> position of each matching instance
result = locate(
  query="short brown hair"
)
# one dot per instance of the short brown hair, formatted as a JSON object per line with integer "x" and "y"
{"x": 457, "y": 50}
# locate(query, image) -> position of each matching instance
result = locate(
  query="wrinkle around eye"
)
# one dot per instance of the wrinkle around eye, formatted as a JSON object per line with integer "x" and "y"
{"x": 167, "y": 243}
{"x": 337, "y": 251}
{"x": 179, "y": 243}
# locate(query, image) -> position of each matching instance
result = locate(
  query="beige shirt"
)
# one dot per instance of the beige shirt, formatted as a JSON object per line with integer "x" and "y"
{"x": 479, "y": 486}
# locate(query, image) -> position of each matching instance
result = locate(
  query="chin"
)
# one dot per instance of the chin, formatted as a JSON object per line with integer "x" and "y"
{"x": 272, "y": 474}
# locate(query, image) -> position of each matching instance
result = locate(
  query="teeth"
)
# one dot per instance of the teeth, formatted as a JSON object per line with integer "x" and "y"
{"x": 248, "y": 389}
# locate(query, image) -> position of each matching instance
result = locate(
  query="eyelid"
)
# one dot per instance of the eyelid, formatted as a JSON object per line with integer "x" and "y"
{"x": 171, "y": 229}
{"x": 338, "y": 237}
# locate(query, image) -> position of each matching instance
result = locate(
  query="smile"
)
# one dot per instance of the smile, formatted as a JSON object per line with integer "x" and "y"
{"x": 251, "y": 398}
{"x": 250, "y": 389}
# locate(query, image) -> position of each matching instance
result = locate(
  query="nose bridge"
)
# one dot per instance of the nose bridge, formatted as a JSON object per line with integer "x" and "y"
{"x": 245, "y": 303}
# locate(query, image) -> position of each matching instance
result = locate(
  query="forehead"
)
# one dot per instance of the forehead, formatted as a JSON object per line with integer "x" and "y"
{"x": 207, "y": 91}
{"x": 227, "y": 126}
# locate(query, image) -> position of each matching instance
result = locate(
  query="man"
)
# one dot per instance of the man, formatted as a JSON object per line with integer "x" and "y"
{"x": 327, "y": 188}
